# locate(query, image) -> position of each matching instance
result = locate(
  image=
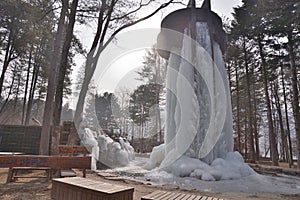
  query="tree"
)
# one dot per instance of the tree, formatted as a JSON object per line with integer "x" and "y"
{"x": 108, "y": 15}
{"x": 266, "y": 26}
{"x": 45, "y": 134}
{"x": 26, "y": 31}
{"x": 154, "y": 71}
{"x": 241, "y": 29}
{"x": 62, "y": 70}
{"x": 141, "y": 102}
{"x": 107, "y": 110}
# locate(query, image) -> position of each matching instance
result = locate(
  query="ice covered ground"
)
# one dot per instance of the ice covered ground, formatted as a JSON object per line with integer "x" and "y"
{"x": 251, "y": 184}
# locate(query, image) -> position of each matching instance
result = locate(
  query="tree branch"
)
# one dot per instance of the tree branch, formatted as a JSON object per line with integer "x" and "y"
{"x": 135, "y": 22}
{"x": 133, "y": 11}
{"x": 110, "y": 11}
{"x": 100, "y": 25}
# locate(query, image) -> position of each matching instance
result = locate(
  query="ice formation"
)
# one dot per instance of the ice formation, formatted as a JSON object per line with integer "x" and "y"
{"x": 89, "y": 139}
{"x": 106, "y": 150}
{"x": 198, "y": 133}
{"x": 231, "y": 167}
{"x": 115, "y": 154}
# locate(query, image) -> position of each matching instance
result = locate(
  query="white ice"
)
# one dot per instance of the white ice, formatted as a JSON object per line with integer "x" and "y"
{"x": 252, "y": 184}
{"x": 114, "y": 154}
{"x": 106, "y": 150}
{"x": 231, "y": 167}
{"x": 198, "y": 108}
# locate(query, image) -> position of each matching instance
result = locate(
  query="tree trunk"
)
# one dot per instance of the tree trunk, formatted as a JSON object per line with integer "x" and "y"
{"x": 90, "y": 66}
{"x": 26, "y": 87}
{"x": 238, "y": 108}
{"x": 6, "y": 61}
{"x": 296, "y": 108}
{"x": 17, "y": 91}
{"x": 272, "y": 136}
{"x": 8, "y": 96}
{"x": 288, "y": 135}
{"x": 31, "y": 93}
{"x": 283, "y": 135}
{"x": 48, "y": 110}
{"x": 250, "y": 110}
{"x": 246, "y": 140}
{"x": 256, "y": 134}
{"x": 63, "y": 65}
{"x": 61, "y": 78}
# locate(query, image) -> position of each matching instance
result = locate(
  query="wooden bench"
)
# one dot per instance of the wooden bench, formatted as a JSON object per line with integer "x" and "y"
{"x": 69, "y": 150}
{"x": 163, "y": 195}
{"x": 78, "y": 188}
{"x": 17, "y": 163}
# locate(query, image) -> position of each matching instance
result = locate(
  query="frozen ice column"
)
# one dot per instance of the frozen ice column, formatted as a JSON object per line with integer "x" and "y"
{"x": 196, "y": 76}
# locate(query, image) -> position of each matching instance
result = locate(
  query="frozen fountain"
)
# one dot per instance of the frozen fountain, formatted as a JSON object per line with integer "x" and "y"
{"x": 198, "y": 127}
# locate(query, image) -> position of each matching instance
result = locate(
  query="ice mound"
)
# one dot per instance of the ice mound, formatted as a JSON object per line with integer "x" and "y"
{"x": 109, "y": 152}
{"x": 89, "y": 139}
{"x": 230, "y": 168}
{"x": 114, "y": 154}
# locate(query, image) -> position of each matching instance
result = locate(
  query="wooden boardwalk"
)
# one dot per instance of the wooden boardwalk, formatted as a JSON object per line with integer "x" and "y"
{"x": 163, "y": 195}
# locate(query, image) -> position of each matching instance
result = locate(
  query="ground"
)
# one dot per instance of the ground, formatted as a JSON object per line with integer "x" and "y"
{"x": 40, "y": 189}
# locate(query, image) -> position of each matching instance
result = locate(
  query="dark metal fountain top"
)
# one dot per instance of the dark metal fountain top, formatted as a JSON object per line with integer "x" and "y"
{"x": 181, "y": 19}
{"x": 206, "y": 5}
{"x": 191, "y": 4}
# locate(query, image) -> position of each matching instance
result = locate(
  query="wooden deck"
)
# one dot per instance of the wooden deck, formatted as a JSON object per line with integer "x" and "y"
{"x": 163, "y": 195}
{"x": 78, "y": 188}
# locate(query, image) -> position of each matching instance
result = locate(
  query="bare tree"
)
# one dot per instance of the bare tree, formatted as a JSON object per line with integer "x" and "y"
{"x": 45, "y": 135}
{"x": 99, "y": 44}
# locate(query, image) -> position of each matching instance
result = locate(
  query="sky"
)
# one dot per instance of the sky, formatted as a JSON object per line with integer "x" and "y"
{"x": 121, "y": 69}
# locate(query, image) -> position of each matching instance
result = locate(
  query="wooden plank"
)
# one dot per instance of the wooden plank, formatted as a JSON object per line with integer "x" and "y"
{"x": 31, "y": 168}
{"x": 163, "y": 195}
{"x": 30, "y": 176}
{"x": 56, "y": 162}
{"x": 180, "y": 196}
{"x": 68, "y": 149}
{"x": 192, "y": 197}
{"x": 173, "y": 196}
{"x": 67, "y": 173}
{"x": 198, "y": 198}
{"x": 151, "y": 195}
{"x": 187, "y": 196}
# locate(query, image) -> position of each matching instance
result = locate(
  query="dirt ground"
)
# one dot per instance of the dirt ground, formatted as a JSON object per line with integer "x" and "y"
{"x": 40, "y": 189}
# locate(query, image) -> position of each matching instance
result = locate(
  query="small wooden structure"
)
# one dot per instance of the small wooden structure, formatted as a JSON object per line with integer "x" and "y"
{"x": 17, "y": 163}
{"x": 78, "y": 188}
{"x": 68, "y": 150}
{"x": 163, "y": 195}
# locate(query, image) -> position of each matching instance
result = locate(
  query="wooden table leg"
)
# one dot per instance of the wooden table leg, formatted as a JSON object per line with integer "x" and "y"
{"x": 84, "y": 173}
{"x": 10, "y": 175}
